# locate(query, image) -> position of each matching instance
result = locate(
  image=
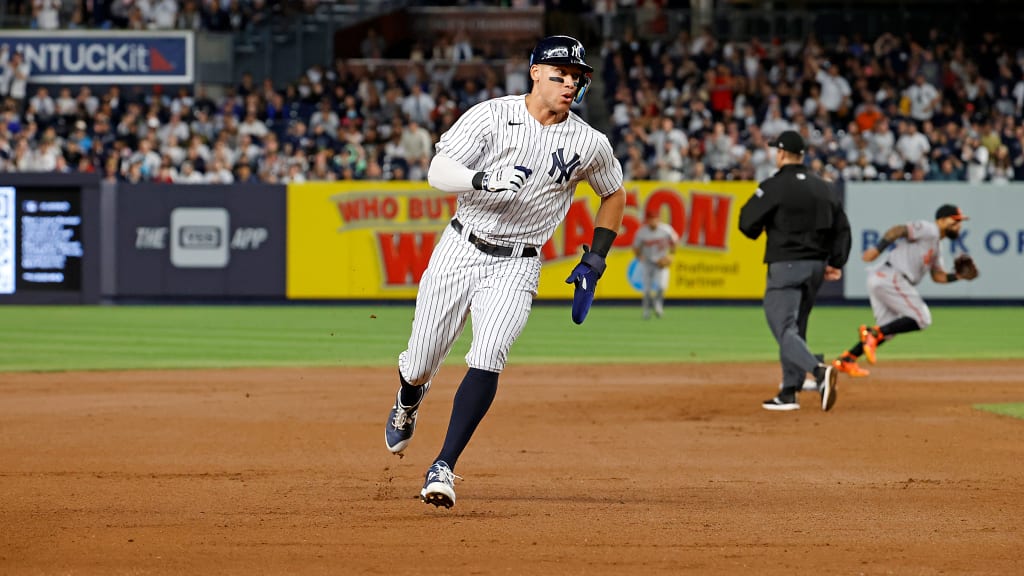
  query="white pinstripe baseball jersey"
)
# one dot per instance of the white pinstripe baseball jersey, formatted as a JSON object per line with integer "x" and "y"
{"x": 501, "y": 132}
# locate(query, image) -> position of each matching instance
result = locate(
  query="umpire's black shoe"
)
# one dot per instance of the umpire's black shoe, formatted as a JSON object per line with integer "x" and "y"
{"x": 827, "y": 377}
{"x": 781, "y": 404}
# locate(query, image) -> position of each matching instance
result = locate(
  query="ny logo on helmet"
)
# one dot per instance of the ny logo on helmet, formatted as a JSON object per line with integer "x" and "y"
{"x": 564, "y": 168}
{"x": 557, "y": 52}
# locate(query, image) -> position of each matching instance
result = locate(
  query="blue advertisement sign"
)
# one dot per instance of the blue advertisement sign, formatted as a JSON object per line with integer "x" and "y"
{"x": 105, "y": 57}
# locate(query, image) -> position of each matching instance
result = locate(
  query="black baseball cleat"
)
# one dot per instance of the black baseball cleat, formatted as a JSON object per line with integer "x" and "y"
{"x": 439, "y": 486}
{"x": 402, "y": 423}
{"x": 827, "y": 377}
{"x": 781, "y": 404}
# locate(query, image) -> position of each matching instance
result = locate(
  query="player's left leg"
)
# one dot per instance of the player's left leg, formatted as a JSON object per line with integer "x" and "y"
{"x": 499, "y": 309}
{"x": 648, "y": 285}
{"x": 659, "y": 291}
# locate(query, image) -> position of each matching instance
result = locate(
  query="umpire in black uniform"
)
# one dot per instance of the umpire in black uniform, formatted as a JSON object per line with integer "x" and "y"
{"x": 808, "y": 242}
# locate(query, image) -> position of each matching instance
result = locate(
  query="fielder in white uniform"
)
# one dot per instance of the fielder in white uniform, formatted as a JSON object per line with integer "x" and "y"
{"x": 515, "y": 162}
{"x": 898, "y": 307}
{"x": 654, "y": 244}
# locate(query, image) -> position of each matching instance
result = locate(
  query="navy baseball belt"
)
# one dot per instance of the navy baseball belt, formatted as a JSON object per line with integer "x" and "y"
{"x": 493, "y": 249}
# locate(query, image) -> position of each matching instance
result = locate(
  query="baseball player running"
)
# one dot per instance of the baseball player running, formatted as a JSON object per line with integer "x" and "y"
{"x": 514, "y": 162}
{"x": 897, "y": 306}
{"x": 654, "y": 244}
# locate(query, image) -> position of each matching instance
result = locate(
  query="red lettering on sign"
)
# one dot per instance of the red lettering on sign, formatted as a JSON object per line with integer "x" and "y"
{"x": 389, "y": 207}
{"x": 548, "y": 251}
{"x": 404, "y": 256}
{"x": 415, "y": 208}
{"x": 349, "y": 210}
{"x": 368, "y": 208}
{"x": 432, "y": 207}
{"x": 709, "y": 220}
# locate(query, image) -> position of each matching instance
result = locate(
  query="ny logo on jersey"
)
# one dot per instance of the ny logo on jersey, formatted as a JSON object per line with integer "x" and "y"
{"x": 565, "y": 169}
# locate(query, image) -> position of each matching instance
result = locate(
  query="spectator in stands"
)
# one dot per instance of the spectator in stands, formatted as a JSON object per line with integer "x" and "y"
{"x": 15, "y": 76}
{"x": 775, "y": 124}
{"x": 1000, "y": 168}
{"x": 326, "y": 117}
{"x": 418, "y": 105}
{"x": 163, "y": 15}
{"x": 418, "y": 149}
{"x": 219, "y": 173}
{"x": 462, "y": 47}
{"x": 166, "y": 174}
{"x": 42, "y": 107}
{"x": 835, "y": 90}
{"x": 913, "y": 146}
{"x": 189, "y": 17}
{"x": 146, "y": 158}
{"x": 254, "y": 127}
{"x": 46, "y": 14}
{"x": 188, "y": 174}
{"x": 924, "y": 99}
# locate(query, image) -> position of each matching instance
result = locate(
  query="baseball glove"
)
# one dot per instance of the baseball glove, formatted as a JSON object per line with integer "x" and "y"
{"x": 664, "y": 261}
{"x": 965, "y": 267}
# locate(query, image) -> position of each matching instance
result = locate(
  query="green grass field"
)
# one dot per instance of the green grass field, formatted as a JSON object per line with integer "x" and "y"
{"x": 1015, "y": 410}
{"x": 41, "y": 338}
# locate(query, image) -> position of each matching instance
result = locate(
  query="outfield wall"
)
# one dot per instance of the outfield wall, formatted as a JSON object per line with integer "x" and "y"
{"x": 359, "y": 241}
{"x": 994, "y": 235}
{"x": 368, "y": 240}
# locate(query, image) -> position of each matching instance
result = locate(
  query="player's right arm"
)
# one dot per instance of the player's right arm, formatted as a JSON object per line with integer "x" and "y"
{"x": 460, "y": 150}
{"x": 448, "y": 175}
{"x": 891, "y": 235}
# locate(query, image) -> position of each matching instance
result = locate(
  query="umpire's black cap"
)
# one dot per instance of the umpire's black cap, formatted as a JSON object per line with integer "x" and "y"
{"x": 790, "y": 141}
{"x": 560, "y": 50}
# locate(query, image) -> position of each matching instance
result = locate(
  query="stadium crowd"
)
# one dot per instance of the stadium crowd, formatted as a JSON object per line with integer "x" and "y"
{"x": 214, "y": 15}
{"x": 691, "y": 108}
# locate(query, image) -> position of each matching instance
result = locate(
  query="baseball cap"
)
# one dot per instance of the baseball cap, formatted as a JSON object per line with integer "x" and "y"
{"x": 790, "y": 141}
{"x": 950, "y": 210}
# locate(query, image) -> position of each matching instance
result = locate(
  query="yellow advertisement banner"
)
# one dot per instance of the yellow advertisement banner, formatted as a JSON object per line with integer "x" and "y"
{"x": 372, "y": 240}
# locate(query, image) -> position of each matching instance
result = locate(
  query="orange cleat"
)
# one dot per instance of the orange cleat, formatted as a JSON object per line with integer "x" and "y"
{"x": 869, "y": 337}
{"x": 848, "y": 365}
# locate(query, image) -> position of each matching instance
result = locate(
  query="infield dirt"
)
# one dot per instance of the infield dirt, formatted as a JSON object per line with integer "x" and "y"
{"x": 665, "y": 469}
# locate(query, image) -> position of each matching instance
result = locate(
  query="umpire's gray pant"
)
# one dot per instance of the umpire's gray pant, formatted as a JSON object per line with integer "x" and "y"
{"x": 788, "y": 299}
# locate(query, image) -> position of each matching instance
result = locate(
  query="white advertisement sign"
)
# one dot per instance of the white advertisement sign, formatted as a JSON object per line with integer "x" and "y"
{"x": 994, "y": 235}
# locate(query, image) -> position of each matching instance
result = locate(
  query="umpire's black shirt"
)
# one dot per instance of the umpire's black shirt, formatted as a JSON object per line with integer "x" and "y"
{"x": 802, "y": 216}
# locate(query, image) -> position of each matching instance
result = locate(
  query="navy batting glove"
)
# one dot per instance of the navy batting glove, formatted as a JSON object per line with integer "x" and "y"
{"x": 585, "y": 276}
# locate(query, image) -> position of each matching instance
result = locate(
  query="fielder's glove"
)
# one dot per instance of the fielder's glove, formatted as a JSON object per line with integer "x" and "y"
{"x": 965, "y": 267}
{"x": 585, "y": 276}
{"x": 502, "y": 179}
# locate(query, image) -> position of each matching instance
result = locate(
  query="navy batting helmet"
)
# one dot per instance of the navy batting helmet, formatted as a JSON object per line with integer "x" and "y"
{"x": 560, "y": 50}
{"x": 564, "y": 50}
